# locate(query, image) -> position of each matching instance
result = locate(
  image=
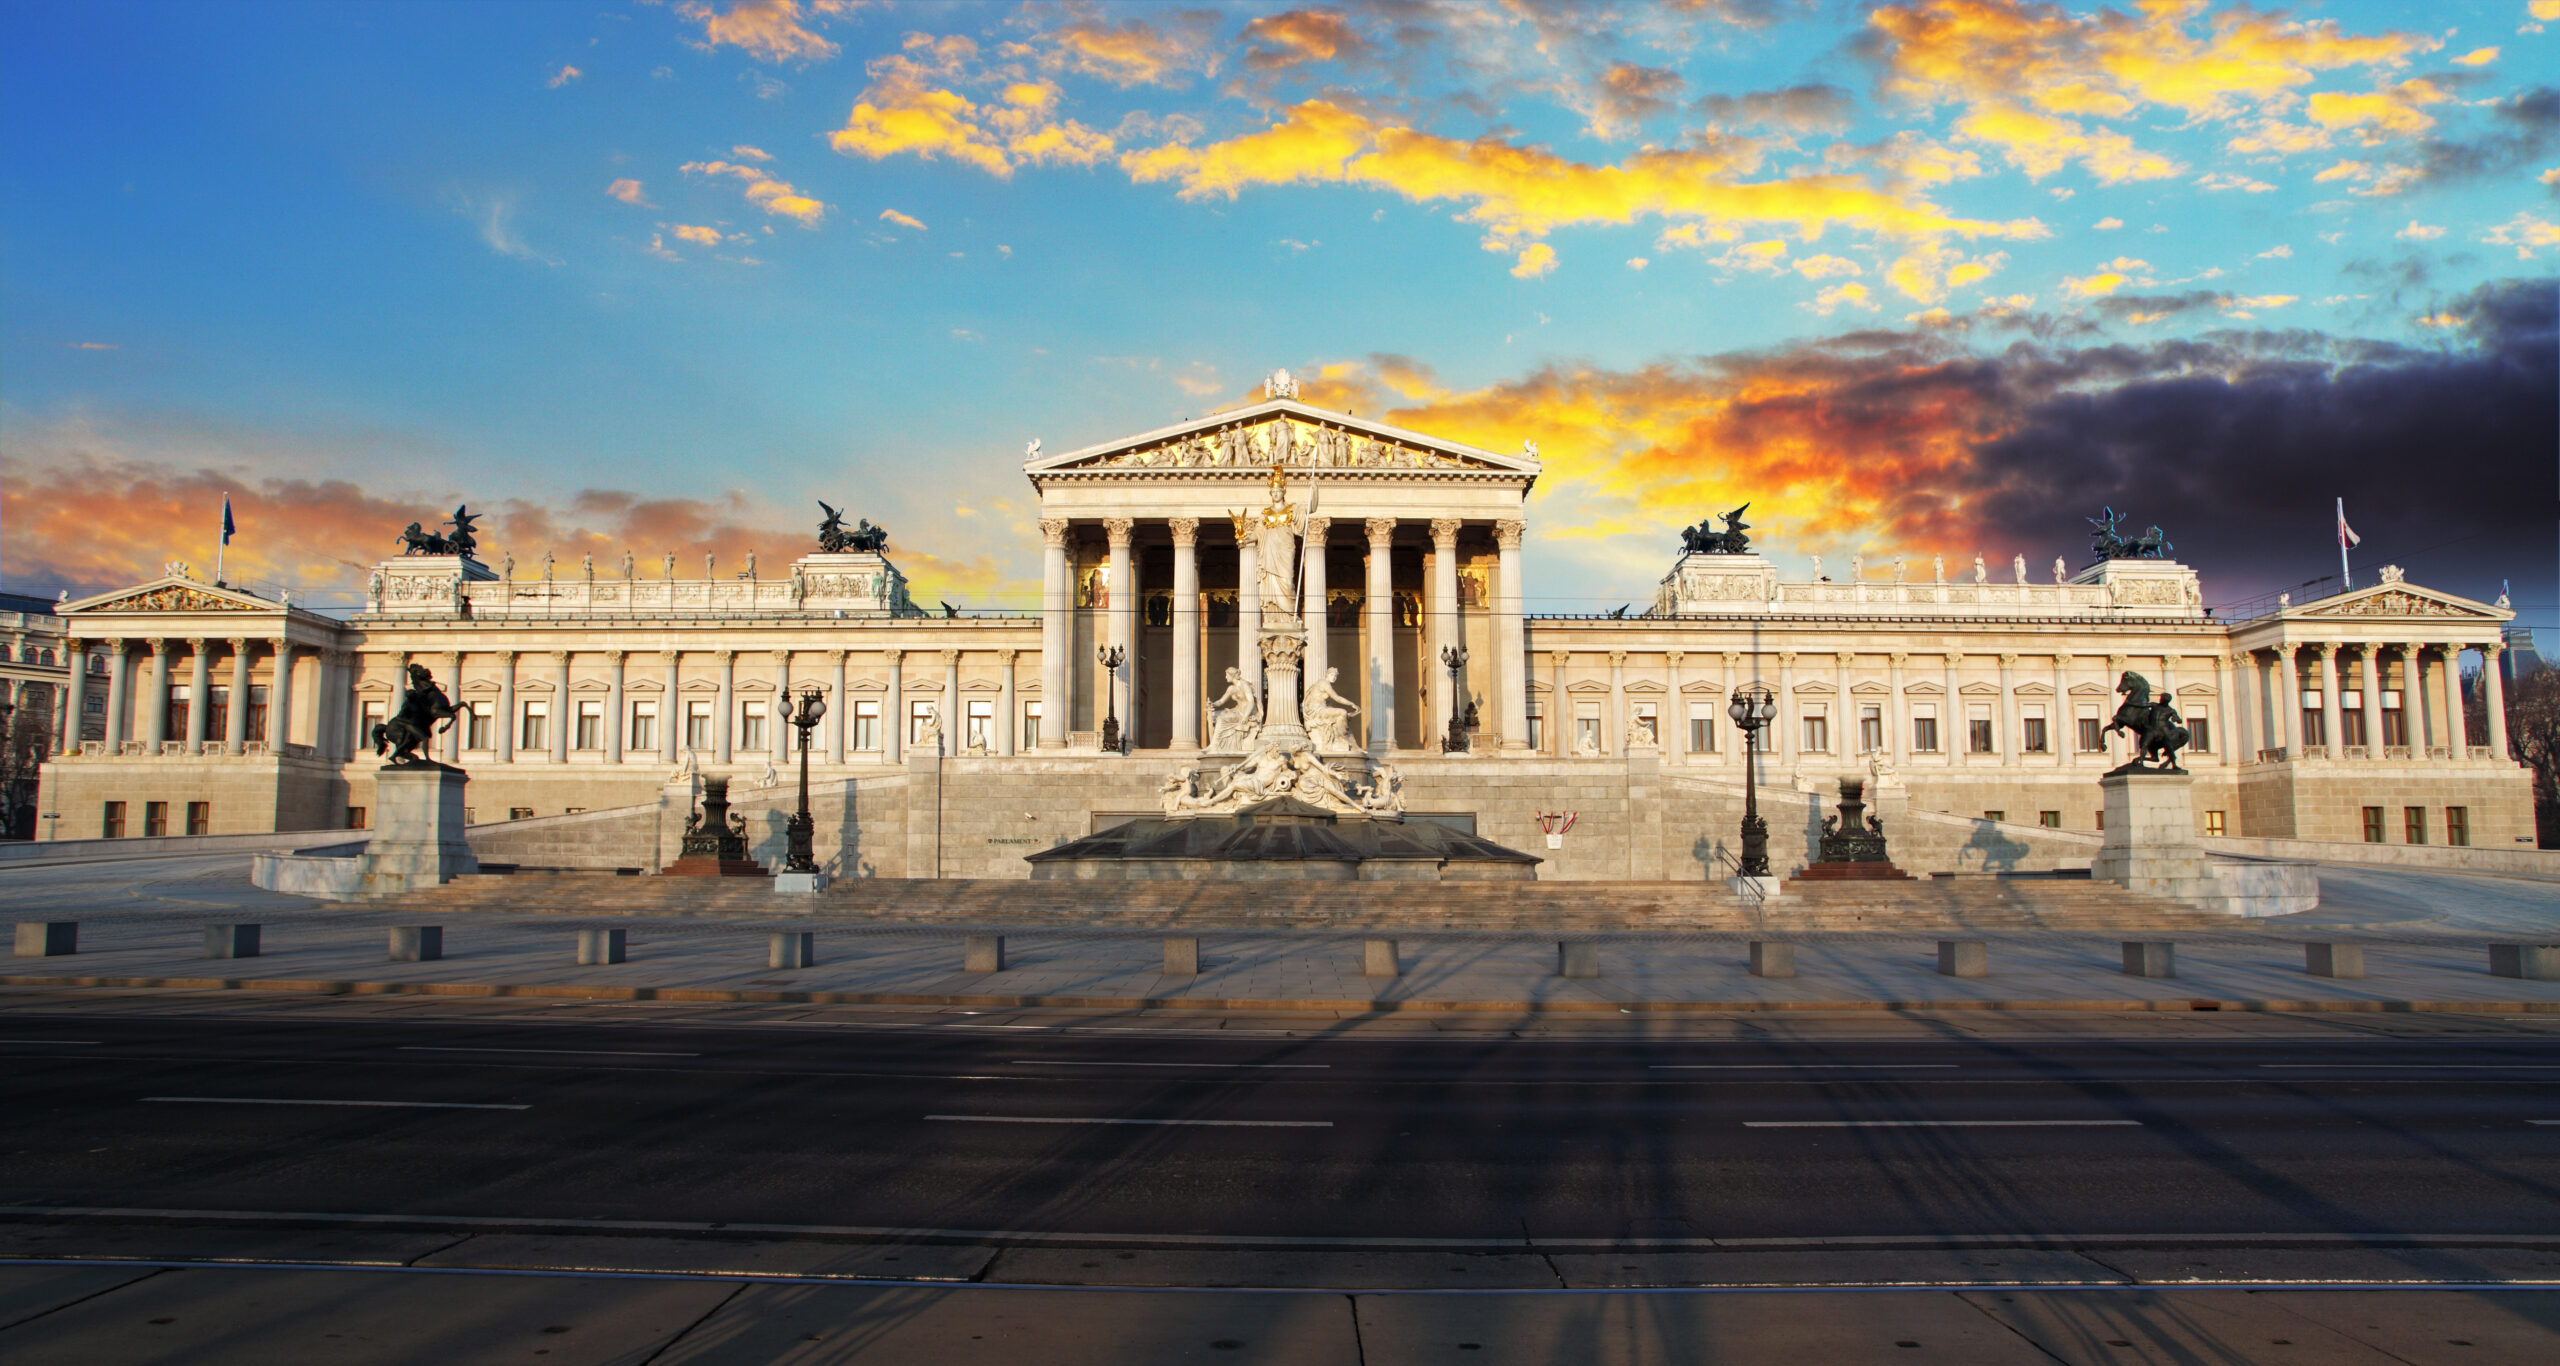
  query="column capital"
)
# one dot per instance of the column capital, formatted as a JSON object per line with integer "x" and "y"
{"x": 1007, "y": 655}
{"x": 1116, "y": 530}
{"x": 453, "y": 659}
{"x": 1899, "y": 658}
{"x": 1560, "y": 657}
{"x": 158, "y": 644}
{"x": 195, "y": 644}
{"x": 891, "y": 655}
{"x": 561, "y": 657}
{"x": 726, "y": 657}
{"x": 2490, "y": 650}
{"x": 2117, "y": 662}
{"x": 836, "y": 657}
{"x": 237, "y": 643}
{"x": 1444, "y": 532}
{"x": 781, "y": 658}
{"x": 2240, "y": 658}
{"x": 1317, "y": 527}
{"x": 2008, "y": 659}
{"x": 2062, "y": 659}
{"x": 1053, "y": 530}
{"x": 1846, "y": 658}
{"x": 1786, "y": 659}
{"x": 950, "y": 658}
{"x": 616, "y": 656}
{"x": 1186, "y": 531}
{"x": 1506, "y": 535}
{"x": 1732, "y": 657}
{"x": 1381, "y": 530}
{"x": 2371, "y": 650}
{"x": 280, "y": 644}
{"x": 1617, "y": 659}
{"x": 1673, "y": 657}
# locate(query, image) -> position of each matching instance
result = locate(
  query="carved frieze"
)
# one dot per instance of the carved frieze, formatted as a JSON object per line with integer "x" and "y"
{"x": 175, "y": 598}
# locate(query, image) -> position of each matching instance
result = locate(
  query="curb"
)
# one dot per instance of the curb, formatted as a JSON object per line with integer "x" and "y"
{"x": 1202, "y": 1003}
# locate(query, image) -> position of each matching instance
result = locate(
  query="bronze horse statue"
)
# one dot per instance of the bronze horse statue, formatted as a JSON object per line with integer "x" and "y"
{"x": 2157, "y": 729}
{"x": 421, "y": 707}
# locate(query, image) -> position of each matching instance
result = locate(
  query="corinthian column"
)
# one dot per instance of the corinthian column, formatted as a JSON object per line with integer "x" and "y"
{"x": 119, "y": 695}
{"x": 1445, "y": 702}
{"x": 1249, "y": 599}
{"x": 155, "y": 703}
{"x": 1511, "y": 637}
{"x": 280, "y": 700}
{"x": 1311, "y": 595}
{"x": 1380, "y": 606}
{"x": 2372, "y": 680}
{"x": 2493, "y": 691}
{"x": 1186, "y": 634}
{"x": 839, "y": 707}
{"x": 199, "y": 693}
{"x": 1057, "y": 600}
{"x": 1123, "y": 623}
{"x": 235, "y": 725}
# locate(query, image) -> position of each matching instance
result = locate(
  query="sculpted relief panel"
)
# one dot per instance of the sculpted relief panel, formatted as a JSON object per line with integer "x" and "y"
{"x": 1292, "y": 444}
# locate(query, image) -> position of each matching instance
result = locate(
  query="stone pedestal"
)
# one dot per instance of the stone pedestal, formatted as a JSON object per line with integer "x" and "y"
{"x": 417, "y": 832}
{"x": 2150, "y": 844}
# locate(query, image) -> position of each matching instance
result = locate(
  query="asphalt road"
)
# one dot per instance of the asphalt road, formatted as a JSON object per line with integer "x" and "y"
{"x": 1348, "y": 1138}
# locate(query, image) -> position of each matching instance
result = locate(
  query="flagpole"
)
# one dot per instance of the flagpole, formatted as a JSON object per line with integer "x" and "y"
{"x": 2346, "y": 576}
{"x": 222, "y": 542}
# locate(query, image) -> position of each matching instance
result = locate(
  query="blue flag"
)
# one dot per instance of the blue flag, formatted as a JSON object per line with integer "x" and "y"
{"x": 227, "y": 526}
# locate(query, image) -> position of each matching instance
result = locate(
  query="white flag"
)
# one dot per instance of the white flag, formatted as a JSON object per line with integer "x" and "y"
{"x": 2346, "y": 534}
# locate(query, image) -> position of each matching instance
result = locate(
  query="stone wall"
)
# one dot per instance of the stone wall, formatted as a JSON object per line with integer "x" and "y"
{"x": 618, "y": 838}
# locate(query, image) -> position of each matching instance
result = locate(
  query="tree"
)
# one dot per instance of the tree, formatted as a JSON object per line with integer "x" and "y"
{"x": 23, "y": 747}
{"x": 2533, "y": 738}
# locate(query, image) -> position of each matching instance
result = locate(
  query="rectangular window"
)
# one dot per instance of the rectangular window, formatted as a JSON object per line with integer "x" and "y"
{"x": 751, "y": 734}
{"x": 2213, "y": 822}
{"x": 2315, "y": 722}
{"x": 2457, "y": 825}
{"x": 178, "y": 712}
{"x": 590, "y": 732}
{"x": 366, "y": 719}
{"x": 1981, "y": 740}
{"x": 155, "y": 818}
{"x": 2373, "y": 825}
{"x": 697, "y": 725}
{"x": 2031, "y": 734}
{"x": 644, "y": 727}
{"x": 519, "y": 813}
{"x": 1649, "y": 722}
{"x": 199, "y": 818}
{"x": 1817, "y": 732}
{"x": 475, "y": 731}
{"x": 2395, "y": 725}
{"x": 2351, "y": 721}
{"x": 2413, "y": 821}
{"x": 258, "y": 714}
{"x": 1924, "y": 729}
{"x": 359, "y": 819}
{"x": 2092, "y": 735}
{"x": 1702, "y": 727}
{"x": 536, "y": 733}
{"x": 1870, "y": 729}
{"x": 113, "y": 826}
{"x": 1030, "y": 726}
{"x": 217, "y": 714}
{"x": 1586, "y": 728}
{"x": 981, "y": 730}
{"x": 918, "y": 713}
{"x": 2050, "y": 820}
{"x": 1538, "y": 726}
{"x": 1995, "y": 815}
{"x": 2200, "y": 733}
{"x": 866, "y": 724}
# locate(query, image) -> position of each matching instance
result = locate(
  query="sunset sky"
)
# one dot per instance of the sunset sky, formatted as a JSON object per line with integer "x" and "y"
{"x": 1915, "y": 278}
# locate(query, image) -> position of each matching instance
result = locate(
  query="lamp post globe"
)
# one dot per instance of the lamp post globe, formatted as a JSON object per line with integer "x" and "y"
{"x": 1752, "y": 708}
{"x": 1455, "y": 656}
{"x": 808, "y": 708}
{"x": 1111, "y": 657}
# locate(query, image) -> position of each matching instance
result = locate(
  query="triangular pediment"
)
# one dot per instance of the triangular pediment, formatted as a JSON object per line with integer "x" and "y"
{"x": 1588, "y": 685}
{"x": 2197, "y": 690}
{"x": 1868, "y": 687}
{"x": 1816, "y": 687}
{"x": 1645, "y": 687}
{"x": 1702, "y": 686}
{"x": 2090, "y": 690}
{"x": 2397, "y": 599}
{"x": 694, "y": 685}
{"x": 1980, "y": 690}
{"x": 2035, "y": 690}
{"x": 1293, "y": 435}
{"x": 1924, "y": 689}
{"x": 170, "y": 593}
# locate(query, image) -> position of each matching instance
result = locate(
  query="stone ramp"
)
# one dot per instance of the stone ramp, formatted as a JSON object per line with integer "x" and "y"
{"x": 1933, "y": 905}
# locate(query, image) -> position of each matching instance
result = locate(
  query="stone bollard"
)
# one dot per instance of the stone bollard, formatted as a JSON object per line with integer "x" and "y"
{"x": 2150, "y": 958}
{"x": 1578, "y": 960}
{"x": 1181, "y": 957}
{"x": 230, "y": 941}
{"x": 1378, "y": 959}
{"x": 2531, "y": 962}
{"x": 602, "y": 946}
{"x": 48, "y": 938}
{"x": 1964, "y": 958}
{"x": 2333, "y": 960}
{"x": 793, "y": 949}
{"x": 1770, "y": 959}
{"x": 417, "y": 943}
{"x": 982, "y": 953}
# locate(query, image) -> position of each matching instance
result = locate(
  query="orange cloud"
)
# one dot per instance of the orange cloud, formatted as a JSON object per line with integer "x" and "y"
{"x": 1300, "y": 35}
{"x": 628, "y": 191}
{"x": 1131, "y": 52}
{"x": 2393, "y": 109}
{"x": 1627, "y": 95}
{"x": 767, "y": 30}
{"x": 766, "y": 193}
{"x": 902, "y": 220}
{"x": 2040, "y": 145}
{"x": 699, "y": 236}
{"x": 902, "y": 114}
{"x": 563, "y": 76}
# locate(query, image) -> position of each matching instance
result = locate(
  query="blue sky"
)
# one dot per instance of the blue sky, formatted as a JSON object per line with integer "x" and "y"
{"x": 658, "y": 275}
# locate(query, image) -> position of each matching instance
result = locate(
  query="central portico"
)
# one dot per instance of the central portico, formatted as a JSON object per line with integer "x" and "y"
{"x": 1412, "y": 544}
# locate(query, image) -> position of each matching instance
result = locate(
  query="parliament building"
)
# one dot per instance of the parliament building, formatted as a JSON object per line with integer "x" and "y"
{"x": 1972, "y": 699}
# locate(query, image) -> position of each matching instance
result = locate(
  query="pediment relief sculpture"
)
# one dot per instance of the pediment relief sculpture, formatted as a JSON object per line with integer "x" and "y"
{"x": 2400, "y": 602}
{"x": 177, "y": 597}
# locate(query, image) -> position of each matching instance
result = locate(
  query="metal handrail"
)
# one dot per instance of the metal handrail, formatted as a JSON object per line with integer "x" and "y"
{"x": 1749, "y": 888}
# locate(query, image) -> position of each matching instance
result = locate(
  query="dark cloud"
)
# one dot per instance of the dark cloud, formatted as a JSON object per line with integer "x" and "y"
{"x": 2526, "y": 127}
{"x": 1814, "y": 108}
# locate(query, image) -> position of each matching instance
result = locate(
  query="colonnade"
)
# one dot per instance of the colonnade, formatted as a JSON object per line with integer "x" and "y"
{"x": 143, "y": 723}
{"x": 2431, "y": 718}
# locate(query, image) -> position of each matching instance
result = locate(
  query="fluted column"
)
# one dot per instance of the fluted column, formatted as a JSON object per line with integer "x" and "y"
{"x": 671, "y": 711}
{"x": 235, "y": 723}
{"x": 2333, "y": 732}
{"x": 155, "y": 729}
{"x": 2372, "y": 689}
{"x": 506, "y": 717}
{"x": 1124, "y": 625}
{"x": 1560, "y": 718}
{"x": 724, "y": 720}
{"x": 1511, "y": 640}
{"x": 1186, "y": 637}
{"x": 1675, "y": 721}
{"x": 2224, "y": 703}
{"x": 1249, "y": 602}
{"x": 1732, "y": 663}
{"x": 613, "y": 719}
{"x": 69, "y": 698}
{"x": 839, "y": 707}
{"x": 199, "y": 692}
{"x": 1445, "y": 701}
{"x": 2062, "y": 731}
{"x": 2288, "y": 704}
{"x": 2493, "y": 692}
{"x": 2007, "y": 747}
{"x": 1057, "y": 634}
{"x": 776, "y": 731}
{"x": 1613, "y": 736}
{"x": 449, "y": 739}
{"x": 280, "y": 698}
{"x": 1895, "y": 745}
{"x": 2413, "y": 704}
{"x": 1955, "y": 721}
{"x": 951, "y": 714}
{"x": 1785, "y": 738}
{"x": 2457, "y": 727}
{"x": 1380, "y": 607}
{"x": 560, "y": 709}
{"x": 1005, "y": 705}
{"x": 1311, "y": 598}
{"x": 893, "y": 725}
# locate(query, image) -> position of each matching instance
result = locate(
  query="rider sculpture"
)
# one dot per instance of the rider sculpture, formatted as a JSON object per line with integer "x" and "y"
{"x": 421, "y": 707}
{"x": 2157, "y": 729}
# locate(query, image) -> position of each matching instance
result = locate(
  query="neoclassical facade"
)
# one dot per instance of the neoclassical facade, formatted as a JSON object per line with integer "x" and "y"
{"x": 1978, "y": 691}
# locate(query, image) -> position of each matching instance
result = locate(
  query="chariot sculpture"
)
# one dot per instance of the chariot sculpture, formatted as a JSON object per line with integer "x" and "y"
{"x": 1702, "y": 539}
{"x": 834, "y": 539}
{"x": 464, "y": 539}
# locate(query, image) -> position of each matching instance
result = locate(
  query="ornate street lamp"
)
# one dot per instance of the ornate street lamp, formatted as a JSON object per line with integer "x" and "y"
{"x": 1455, "y": 656}
{"x": 1753, "y": 707}
{"x": 809, "y": 708}
{"x": 1111, "y": 657}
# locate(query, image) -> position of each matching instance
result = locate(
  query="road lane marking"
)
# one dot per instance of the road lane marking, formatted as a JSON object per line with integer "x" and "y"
{"x": 2416, "y": 1066}
{"x": 1274, "y": 1066}
{"x": 1800, "y": 1067}
{"x": 560, "y": 1052}
{"x": 2544, "y": 1122}
{"x": 1937, "y": 1123}
{"x": 370, "y": 1104}
{"x": 66, "y": 1043}
{"x": 1187, "y": 1123}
